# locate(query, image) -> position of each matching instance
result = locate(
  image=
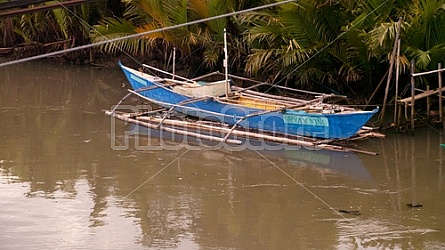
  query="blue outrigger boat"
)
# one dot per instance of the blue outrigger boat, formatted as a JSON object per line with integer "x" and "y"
{"x": 251, "y": 110}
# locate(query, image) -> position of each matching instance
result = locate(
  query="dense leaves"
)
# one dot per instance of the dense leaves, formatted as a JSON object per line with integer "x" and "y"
{"x": 56, "y": 29}
{"x": 338, "y": 44}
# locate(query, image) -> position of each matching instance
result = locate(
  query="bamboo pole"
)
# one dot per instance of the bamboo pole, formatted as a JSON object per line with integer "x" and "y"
{"x": 166, "y": 104}
{"x": 187, "y": 101}
{"x": 377, "y": 88}
{"x": 391, "y": 66}
{"x": 174, "y": 63}
{"x": 167, "y": 73}
{"x": 440, "y": 94}
{"x": 226, "y": 64}
{"x": 276, "y": 97}
{"x": 428, "y": 104}
{"x": 399, "y": 117}
{"x": 257, "y": 114}
{"x": 120, "y": 102}
{"x": 269, "y": 96}
{"x": 259, "y": 83}
{"x": 406, "y": 113}
{"x": 396, "y": 97}
{"x": 210, "y": 128}
{"x": 172, "y": 130}
{"x": 413, "y": 83}
{"x": 422, "y": 95}
{"x": 429, "y": 72}
{"x": 246, "y": 134}
{"x": 206, "y": 75}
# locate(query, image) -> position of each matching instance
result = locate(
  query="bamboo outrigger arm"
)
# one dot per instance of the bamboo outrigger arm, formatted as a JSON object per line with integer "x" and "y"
{"x": 177, "y": 106}
{"x": 128, "y": 94}
{"x": 260, "y": 113}
{"x": 120, "y": 102}
{"x": 150, "y": 122}
{"x": 259, "y": 83}
{"x": 182, "y": 103}
{"x": 168, "y": 73}
{"x": 172, "y": 130}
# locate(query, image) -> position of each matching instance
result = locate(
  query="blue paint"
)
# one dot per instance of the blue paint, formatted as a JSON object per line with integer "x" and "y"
{"x": 294, "y": 122}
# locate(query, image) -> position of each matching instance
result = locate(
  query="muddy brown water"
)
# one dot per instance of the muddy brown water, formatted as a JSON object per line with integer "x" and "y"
{"x": 72, "y": 178}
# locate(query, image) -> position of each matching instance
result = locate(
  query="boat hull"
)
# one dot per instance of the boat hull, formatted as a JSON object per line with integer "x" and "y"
{"x": 293, "y": 122}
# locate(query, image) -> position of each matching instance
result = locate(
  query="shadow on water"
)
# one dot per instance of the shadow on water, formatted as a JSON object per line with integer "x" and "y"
{"x": 323, "y": 161}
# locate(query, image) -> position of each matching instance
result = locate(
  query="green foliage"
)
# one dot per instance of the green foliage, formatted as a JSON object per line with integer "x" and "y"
{"x": 425, "y": 36}
{"x": 110, "y": 28}
{"x": 342, "y": 43}
{"x": 200, "y": 43}
{"x": 70, "y": 25}
{"x": 303, "y": 41}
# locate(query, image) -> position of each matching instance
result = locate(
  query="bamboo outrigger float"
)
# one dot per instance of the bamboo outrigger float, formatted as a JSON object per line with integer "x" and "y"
{"x": 223, "y": 133}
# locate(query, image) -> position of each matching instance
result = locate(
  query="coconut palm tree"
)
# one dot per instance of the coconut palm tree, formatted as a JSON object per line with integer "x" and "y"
{"x": 342, "y": 42}
{"x": 422, "y": 36}
{"x": 425, "y": 36}
{"x": 201, "y": 44}
{"x": 310, "y": 40}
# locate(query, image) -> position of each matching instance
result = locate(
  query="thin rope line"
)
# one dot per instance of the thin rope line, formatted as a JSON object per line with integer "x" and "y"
{"x": 144, "y": 33}
{"x": 316, "y": 196}
{"x": 156, "y": 174}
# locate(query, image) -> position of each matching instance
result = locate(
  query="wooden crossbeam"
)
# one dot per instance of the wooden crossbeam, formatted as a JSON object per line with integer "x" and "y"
{"x": 19, "y": 12}
{"x": 421, "y": 95}
{"x": 19, "y": 3}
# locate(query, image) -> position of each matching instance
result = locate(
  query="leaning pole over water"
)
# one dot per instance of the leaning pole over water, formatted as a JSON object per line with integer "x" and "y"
{"x": 391, "y": 66}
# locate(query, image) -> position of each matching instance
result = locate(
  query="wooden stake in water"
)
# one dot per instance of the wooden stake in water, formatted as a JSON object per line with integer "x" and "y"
{"x": 440, "y": 95}
{"x": 428, "y": 104}
{"x": 413, "y": 84}
{"x": 396, "y": 98}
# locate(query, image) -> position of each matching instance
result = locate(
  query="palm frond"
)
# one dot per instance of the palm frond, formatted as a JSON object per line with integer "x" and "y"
{"x": 61, "y": 19}
{"x": 110, "y": 28}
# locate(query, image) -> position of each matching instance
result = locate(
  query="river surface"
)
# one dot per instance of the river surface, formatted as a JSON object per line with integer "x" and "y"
{"x": 73, "y": 178}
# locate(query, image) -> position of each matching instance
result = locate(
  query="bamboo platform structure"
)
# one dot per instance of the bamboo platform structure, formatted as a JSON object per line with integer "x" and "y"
{"x": 223, "y": 133}
{"x": 409, "y": 102}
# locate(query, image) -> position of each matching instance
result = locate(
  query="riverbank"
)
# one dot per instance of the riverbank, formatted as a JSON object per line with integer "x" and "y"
{"x": 95, "y": 58}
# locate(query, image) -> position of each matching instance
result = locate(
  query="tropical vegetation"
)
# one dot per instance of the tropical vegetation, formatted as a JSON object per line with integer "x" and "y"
{"x": 343, "y": 45}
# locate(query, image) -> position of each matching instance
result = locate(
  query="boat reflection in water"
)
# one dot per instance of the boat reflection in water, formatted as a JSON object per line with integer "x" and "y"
{"x": 324, "y": 161}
